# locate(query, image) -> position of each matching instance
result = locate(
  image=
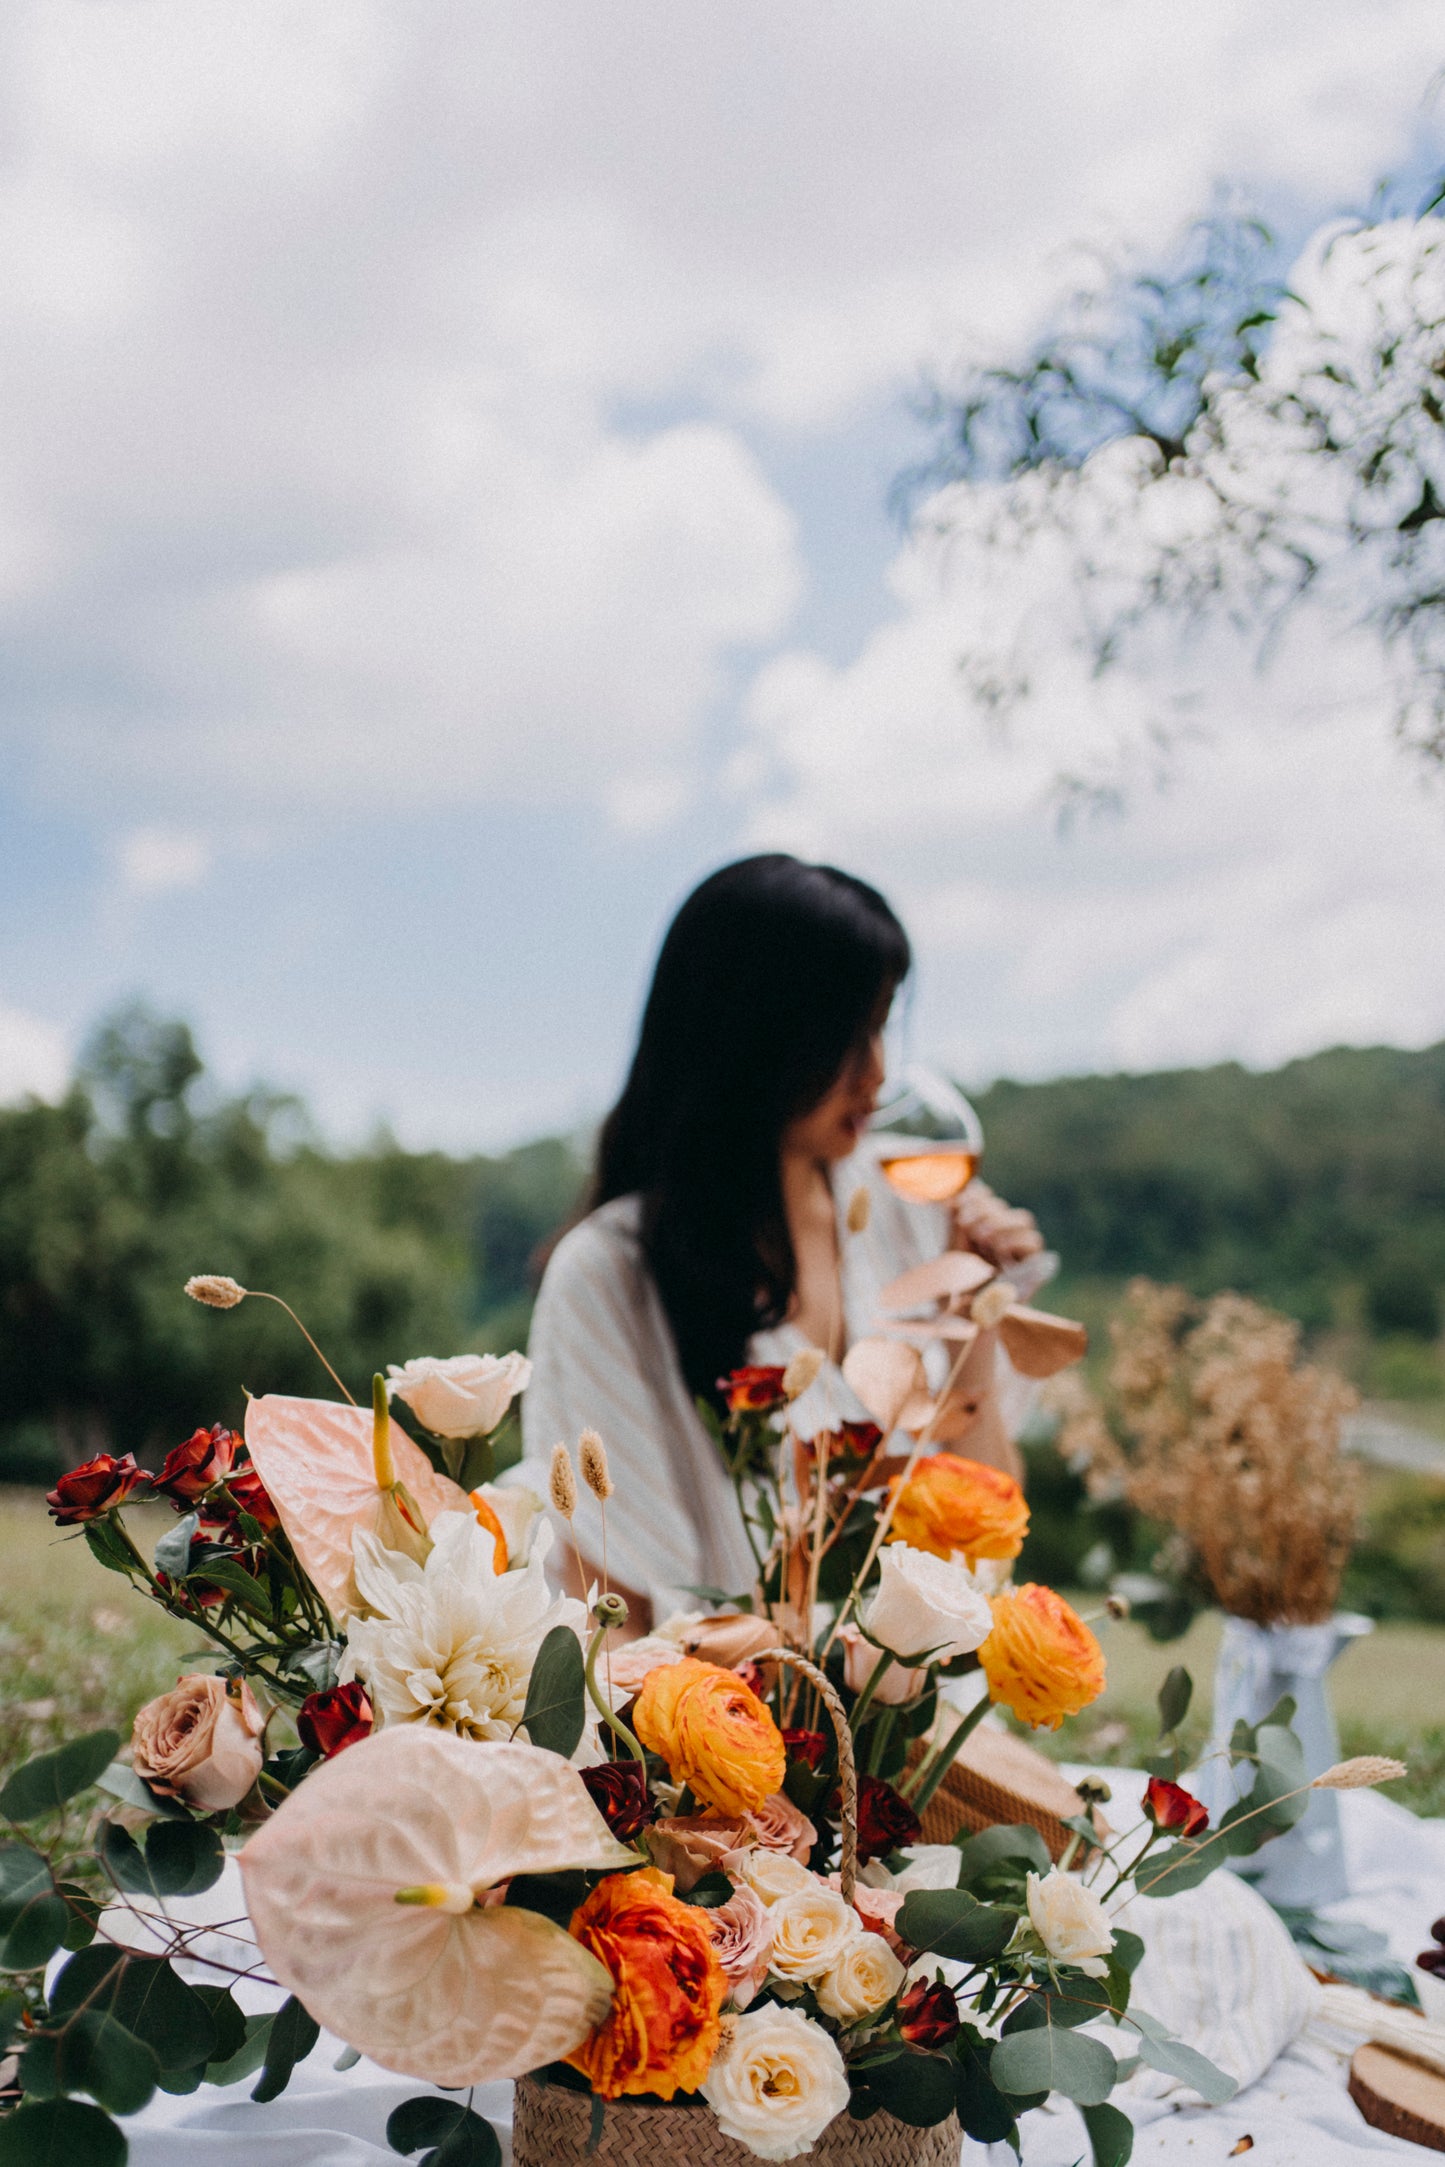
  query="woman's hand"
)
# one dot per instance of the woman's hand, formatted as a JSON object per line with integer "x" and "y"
{"x": 999, "y": 1232}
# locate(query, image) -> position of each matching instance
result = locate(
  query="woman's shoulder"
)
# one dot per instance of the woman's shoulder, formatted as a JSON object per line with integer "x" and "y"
{"x": 607, "y": 1242}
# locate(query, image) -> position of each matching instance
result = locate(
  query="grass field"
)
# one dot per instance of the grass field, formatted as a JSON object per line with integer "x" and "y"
{"x": 78, "y": 1648}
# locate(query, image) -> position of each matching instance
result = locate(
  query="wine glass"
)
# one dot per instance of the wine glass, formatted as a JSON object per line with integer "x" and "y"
{"x": 934, "y": 1137}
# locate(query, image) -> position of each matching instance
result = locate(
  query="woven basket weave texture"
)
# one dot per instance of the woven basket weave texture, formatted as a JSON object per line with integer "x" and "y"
{"x": 551, "y": 2128}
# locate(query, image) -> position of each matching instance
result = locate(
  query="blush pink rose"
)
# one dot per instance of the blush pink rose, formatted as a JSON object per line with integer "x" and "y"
{"x": 691, "y": 1845}
{"x": 878, "y": 1909}
{"x": 779, "y": 1826}
{"x": 201, "y": 1743}
{"x": 741, "y": 1931}
{"x": 625, "y": 1667}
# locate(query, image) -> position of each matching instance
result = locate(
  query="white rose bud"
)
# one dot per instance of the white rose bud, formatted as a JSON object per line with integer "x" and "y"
{"x": 1070, "y": 1922}
{"x": 811, "y": 1930}
{"x": 465, "y": 1396}
{"x": 861, "y": 1659}
{"x": 776, "y": 2082}
{"x": 865, "y": 1978}
{"x": 926, "y": 1603}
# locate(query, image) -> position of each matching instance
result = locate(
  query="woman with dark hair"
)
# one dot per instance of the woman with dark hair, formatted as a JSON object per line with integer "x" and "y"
{"x": 718, "y": 1227}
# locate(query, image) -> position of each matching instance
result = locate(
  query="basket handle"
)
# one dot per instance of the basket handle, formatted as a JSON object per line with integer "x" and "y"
{"x": 847, "y": 1766}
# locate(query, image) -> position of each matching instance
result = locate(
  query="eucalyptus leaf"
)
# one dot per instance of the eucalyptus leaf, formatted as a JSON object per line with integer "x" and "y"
{"x": 60, "y": 2133}
{"x": 993, "y": 1846}
{"x": 173, "y": 1550}
{"x": 951, "y": 1923}
{"x": 291, "y": 2037}
{"x": 142, "y": 1993}
{"x": 123, "y": 1783}
{"x": 919, "y": 2089}
{"x": 985, "y": 2113}
{"x": 1174, "y": 1697}
{"x": 557, "y": 1694}
{"x": 92, "y": 2053}
{"x": 248, "y": 2056}
{"x": 181, "y": 1858}
{"x": 461, "y": 2137}
{"x": 1111, "y": 2134}
{"x": 50, "y": 1779}
{"x": 1162, "y": 2051}
{"x": 1053, "y": 2060}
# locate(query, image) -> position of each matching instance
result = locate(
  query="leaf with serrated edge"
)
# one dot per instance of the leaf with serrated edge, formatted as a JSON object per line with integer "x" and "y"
{"x": 457, "y": 1999}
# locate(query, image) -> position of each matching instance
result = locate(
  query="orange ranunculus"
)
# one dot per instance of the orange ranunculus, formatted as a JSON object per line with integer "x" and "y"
{"x": 1041, "y": 1660}
{"x": 949, "y": 1504}
{"x": 662, "y": 2030}
{"x": 713, "y": 1732}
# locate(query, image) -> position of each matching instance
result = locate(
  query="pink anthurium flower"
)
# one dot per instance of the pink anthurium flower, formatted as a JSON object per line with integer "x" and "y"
{"x": 366, "y": 1890}
{"x": 320, "y": 1464}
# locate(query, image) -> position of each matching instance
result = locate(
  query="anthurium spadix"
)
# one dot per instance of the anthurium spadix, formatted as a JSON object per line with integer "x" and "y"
{"x": 330, "y": 1470}
{"x": 366, "y": 1891}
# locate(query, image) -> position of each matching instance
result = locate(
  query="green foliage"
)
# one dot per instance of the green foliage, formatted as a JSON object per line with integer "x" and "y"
{"x": 556, "y": 1695}
{"x": 61, "y": 2133}
{"x": 458, "y": 2136}
{"x": 292, "y": 2035}
{"x": 41, "y": 1785}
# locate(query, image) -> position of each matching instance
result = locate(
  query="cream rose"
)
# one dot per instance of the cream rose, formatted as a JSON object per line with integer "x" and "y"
{"x": 926, "y": 1603}
{"x": 201, "y": 1743}
{"x": 776, "y": 2082}
{"x": 742, "y": 1934}
{"x": 811, "y": 1930}
{"x": 1070, "y": 1921}
{"x": 866, "y": 1977}
{"x": 464, "y": 1396}
{"x": 773, "y": 1875}
{"x": 779, "y": 1826}
{"x": 861, "y": 1659}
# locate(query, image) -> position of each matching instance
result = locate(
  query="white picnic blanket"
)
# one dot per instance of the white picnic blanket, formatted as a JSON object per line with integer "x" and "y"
{"x": 1298, "y": 2112}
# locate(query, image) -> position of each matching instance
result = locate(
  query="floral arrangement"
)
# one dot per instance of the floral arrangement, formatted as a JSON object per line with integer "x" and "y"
{"x": 480, "y": 1836}
{"x": 1212, "y": 1427}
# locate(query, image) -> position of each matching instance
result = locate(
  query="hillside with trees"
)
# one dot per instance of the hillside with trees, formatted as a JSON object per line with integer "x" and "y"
{"x": 1319, "y": 1187}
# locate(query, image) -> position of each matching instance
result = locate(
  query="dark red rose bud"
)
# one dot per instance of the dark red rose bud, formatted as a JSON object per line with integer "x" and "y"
{"x": 246, "y": 1492}
{"x": 752, "y": 1390}
{"x": 807, "y": 1747}
{"x": 191, "y": 1468}
{"x": 96, "y": 1487}
{"x": 1174, "y": 1810}
{"x": 1432, "y": 1960}
{"x": 329, "y": 1722}
{"x": 1437, "y": 1931}
{"x": 928, "y": 2014}
{"x": 618, "y": 1789}
{"x": 885, "y": 1821}
{"x": 854, "y": 1440}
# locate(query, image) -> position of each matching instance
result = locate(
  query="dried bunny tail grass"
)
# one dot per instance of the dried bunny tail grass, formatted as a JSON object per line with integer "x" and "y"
{"x": 1361, "y": 1774}
{"x": 215, "y": 1290}
{"x": 802, "y": 1371}
{"x": 561, "y": 1482}
{"x": 860, "y": 1211}
{"x": 592, "y": 1460}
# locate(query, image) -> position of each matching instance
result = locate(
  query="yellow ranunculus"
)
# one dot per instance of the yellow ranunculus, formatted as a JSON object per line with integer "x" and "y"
{"x": 950, "y": 1505}
{"x": 713, "y": 1732}
{"x": 1041, "y": 1660}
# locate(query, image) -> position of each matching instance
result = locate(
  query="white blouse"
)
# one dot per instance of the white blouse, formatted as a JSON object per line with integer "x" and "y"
{"x": 603, "y": 1358}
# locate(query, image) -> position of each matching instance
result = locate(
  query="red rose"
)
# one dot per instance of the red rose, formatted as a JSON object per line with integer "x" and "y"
{"x": 1172, "y": 1809}
{"x": 928, "y": 2014}
{"x": 248, "y": 1493}
{"x": 752, "y": 1390}
{"x": 329, "y": 1722}
{"x": 853, "y": 1441}
{"x": 191, "y": 1468}
{"x": 618, "y": 1789}
{"x": 806, "y": 1746}
{"x": 885, "y": 1821}
{"x": 96, "y": 1487}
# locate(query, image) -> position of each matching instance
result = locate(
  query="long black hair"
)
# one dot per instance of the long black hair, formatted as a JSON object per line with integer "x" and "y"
{"x": 771, "y": 975}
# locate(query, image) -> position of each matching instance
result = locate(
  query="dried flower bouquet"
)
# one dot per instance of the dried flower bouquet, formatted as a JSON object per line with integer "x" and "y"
{"x": 504, "y": 1844}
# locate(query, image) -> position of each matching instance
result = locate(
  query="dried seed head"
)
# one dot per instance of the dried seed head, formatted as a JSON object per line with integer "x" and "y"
{"x": 1360, "y": 1774}
{"x": 562, "y": 1483}
{"x": 215, "y": 1290}
{"x": 802, "y": 1371}
{"x": 860, "y": 1211}
{"x": 992, "y": 1303}
{"x": 592, "y": 1459}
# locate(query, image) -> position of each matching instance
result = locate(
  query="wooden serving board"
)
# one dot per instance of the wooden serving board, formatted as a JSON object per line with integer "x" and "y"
{"x": 1399, "y": 2096}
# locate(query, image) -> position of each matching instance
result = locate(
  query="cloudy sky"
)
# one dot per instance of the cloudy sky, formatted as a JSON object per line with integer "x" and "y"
{"x": 443, "y": 512}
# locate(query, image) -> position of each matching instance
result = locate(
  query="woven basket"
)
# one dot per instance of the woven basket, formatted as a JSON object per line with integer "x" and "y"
{"x": 999, "y": 1778}
{"x": 552, "y": 2127}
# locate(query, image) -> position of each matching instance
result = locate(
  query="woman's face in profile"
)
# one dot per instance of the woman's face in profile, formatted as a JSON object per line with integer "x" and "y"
{"x": 834, "y": 1127}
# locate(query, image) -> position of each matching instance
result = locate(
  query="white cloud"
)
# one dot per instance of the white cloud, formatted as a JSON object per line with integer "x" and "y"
{"x": 322, "y": 317}
{"x": 33, "y": 1057}
{"x": 159, "y": 861}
